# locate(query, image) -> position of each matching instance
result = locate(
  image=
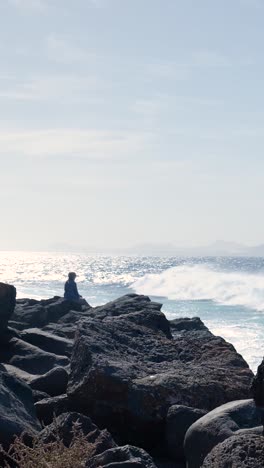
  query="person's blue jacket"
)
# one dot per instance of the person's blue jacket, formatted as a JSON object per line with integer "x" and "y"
{"x": 71, "y": 291}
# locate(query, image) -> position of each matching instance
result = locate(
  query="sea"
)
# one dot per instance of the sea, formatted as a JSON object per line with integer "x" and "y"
{"x": 227, "y": 293}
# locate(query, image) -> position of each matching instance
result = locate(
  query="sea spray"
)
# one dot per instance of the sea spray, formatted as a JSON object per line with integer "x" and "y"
{"x": 201, "y": 282}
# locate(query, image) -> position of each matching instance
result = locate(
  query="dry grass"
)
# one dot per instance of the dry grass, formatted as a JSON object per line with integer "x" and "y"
{"x": 50, "y": 455}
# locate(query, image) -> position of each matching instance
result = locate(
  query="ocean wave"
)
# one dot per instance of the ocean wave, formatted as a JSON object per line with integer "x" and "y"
{"x": 200, "y": 282}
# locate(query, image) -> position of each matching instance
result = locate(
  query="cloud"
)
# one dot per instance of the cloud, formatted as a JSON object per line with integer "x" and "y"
{"x": 90, "y": 144}
{"x": 154, "y": 109}
{"x": 55, "y": 87}
{"x": 182, "y": 70}
{"x": 198, "y": 59}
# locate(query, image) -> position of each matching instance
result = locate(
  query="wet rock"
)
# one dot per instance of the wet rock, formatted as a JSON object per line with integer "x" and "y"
{"x": 122, "y": 457}
{"x": 53, "y": 383}
{"x": 179, "y": 419}
{"x": 240, "y": 450}
{"x": 17, "y": 412}
{"x": 126, "y": 370}
{"x": 7, "y": 305}
{"x": 218, "y": 425}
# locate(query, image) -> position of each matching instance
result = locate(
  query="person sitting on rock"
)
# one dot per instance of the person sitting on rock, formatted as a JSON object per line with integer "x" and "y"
{"x": 71, "y": 291}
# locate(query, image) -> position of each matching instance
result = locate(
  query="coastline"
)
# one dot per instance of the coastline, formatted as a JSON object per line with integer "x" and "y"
{"x": 124, "y": 365}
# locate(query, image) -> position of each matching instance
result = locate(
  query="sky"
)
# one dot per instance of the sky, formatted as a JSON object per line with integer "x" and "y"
{"x": 126, "y": 122}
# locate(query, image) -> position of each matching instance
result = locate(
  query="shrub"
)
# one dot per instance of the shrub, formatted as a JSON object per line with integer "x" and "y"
{"x": 49, "y": 455}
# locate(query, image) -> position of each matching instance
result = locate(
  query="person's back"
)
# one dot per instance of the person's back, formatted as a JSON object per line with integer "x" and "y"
{"x": 70, "y": 289}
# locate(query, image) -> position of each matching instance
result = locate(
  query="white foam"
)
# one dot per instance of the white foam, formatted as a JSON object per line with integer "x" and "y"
{"x": 200, "y": 282}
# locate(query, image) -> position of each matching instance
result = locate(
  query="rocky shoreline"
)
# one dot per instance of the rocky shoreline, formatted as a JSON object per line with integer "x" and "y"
{"x": 147, "y": 391}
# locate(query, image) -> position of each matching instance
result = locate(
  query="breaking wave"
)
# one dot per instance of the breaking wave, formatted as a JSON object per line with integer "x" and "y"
{"x": 200, "y": 282}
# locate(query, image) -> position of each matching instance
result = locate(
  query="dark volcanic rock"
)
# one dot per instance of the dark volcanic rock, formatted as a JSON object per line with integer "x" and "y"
{"x": 60, "y": 307}
{"x": 126, "y": 371}
{"x": 125, "y": 305}
{"x": 30, "y": 315}
{"x": 64, "y": 330}
{"x": 179, "y": 419}
{"x": 165, "y": 463}
{"x": 38, "y": 395}
{"x": 17, "y": 413}
{"x": 258, "y": 386}
{"x": 131, "y": 304}
{"x": 217, "y": 426}
{"x": 39, "y": 313}
{"x": 16, "y": 325}
{"x": 53, "y": 383}
{"x": 47, "y": 341}
{"x": 29, "y": 358}
{"x": 186, "y": 323}
{"x": 122, "y": 457}
{"x": 63, "y": 427}
{"x": 240, "y": 450}
{"x": 7, "y": 305}
{"x": 19, "y": 373}
{"x": 47, "y": 408}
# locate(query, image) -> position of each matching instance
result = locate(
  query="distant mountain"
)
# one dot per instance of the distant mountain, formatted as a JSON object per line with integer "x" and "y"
{"x": 228, "y": 246}
{"x": 256, "y": 251}
{"x": 218, "y": 248}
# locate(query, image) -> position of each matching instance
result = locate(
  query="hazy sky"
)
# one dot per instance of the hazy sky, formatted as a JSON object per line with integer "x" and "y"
{"x": 131, "y": 121}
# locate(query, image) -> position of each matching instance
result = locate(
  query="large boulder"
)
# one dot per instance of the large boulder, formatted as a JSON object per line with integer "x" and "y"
{"x": 122, "y": 457}
{"x": 30, "y": 358}
{"x": 53, "y": 383}
{"x": 178, "y": 421}
{"x": 48, "y": 341}
{"x": 34, "y": 313}
{"x": 127, "y": 370}
{"x": 19, "y": 373}
{"x": 17, "y": 412}
{"x": 187, "y": 323}
{"x": 218, "y": 425}
{"x": 64, "y": 329}
{"x": 240, "y": 450}
{"x": 7, "y": 305}
{"x": 130, "y": 304}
